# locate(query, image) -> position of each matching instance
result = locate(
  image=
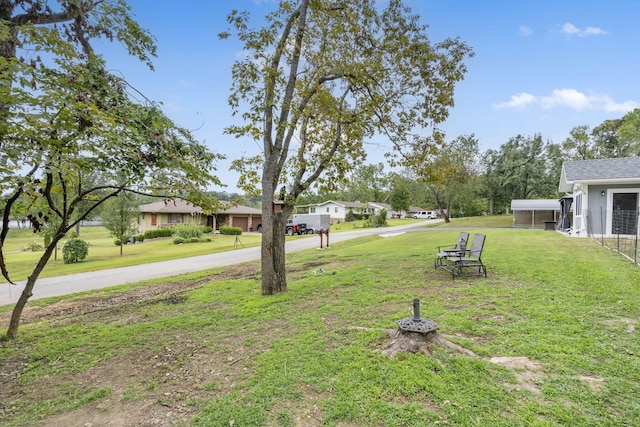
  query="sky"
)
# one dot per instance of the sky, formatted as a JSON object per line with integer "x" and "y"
{"x": 540, "y": 67}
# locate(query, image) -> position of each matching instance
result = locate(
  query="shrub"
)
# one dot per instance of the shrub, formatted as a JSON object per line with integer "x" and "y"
{"x": 194, "y": 240}
{"x": 379, "y": 220}
{"x": 207, "y": 229}
{"x": 178, "y": 240}
{"x": 33, "y": 246}
{"x": 117, "y": 242}
{"x": 231, "y": 231}
{"x": 349, "y": 217}
{"x": 74, "y": 250}
{"x": 188, "y": 231}
{"x": 382, "y": 216}
{"x": 140, "y": 238}
{"x": 158, "y": 232}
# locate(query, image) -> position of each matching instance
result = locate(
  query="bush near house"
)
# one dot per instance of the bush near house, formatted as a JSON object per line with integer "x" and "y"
{"x": 158, "y": 232}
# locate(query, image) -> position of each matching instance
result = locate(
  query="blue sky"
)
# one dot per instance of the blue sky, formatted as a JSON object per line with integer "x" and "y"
{"x": 541, "y": 66}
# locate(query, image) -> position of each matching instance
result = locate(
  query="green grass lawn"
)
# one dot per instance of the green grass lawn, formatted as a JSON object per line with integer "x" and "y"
{"x": 103, "y": 253}
{"x": 220, "y": 354}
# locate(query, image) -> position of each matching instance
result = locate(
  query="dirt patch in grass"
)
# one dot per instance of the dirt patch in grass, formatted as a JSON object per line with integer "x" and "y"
{"x": 527, "y": 371}
{"x": 149, "y": 386}
{"x": 97, "y": 301}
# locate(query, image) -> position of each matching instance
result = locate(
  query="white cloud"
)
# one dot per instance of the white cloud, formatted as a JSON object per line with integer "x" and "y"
{"x": 570, "y": 98}
{"x": 525, "y": 31}
{"x": 590, "y": 31}
{"x": 566, "y": 97}
{"x": 519, "y": 100}
{"x": 571, "y": 30}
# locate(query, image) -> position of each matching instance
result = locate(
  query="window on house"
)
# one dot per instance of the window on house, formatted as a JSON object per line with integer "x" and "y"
{"x": 327, "y": 210}
{"x": 174, "y": 218}
{"x": 154, "y": 219}
{"x": 312, "y": 210}
{"x": 336, "y": 209}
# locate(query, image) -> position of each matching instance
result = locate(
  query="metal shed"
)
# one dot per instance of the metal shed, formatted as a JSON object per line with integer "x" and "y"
{"x": 535, "y": 212}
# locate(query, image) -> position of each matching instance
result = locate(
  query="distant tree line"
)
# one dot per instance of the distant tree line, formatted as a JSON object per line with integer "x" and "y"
{"x": 461, "y": 180}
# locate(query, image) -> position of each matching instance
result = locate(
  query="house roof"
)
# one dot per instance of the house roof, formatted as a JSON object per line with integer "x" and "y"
{"x": 183, "y": 206}
{"x": 599, "y": 171}
{"x": 170, "y": 206}
{"x": 535, "y": 205}
{"x": 380, "y": 205}
{"x": 344, "y": 204}
{"x": 240, "y": 210}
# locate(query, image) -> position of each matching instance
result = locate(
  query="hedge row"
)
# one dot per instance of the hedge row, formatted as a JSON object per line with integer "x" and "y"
{"x": 232, "y": 231}
{"x": 158, "y": 232}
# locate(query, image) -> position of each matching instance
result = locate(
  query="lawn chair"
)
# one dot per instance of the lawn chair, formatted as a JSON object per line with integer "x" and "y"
{"x": 469, "y": 264}
{"x": 446, "y": 251}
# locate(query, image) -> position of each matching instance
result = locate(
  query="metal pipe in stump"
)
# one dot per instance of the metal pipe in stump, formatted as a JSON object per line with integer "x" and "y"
{"x": 416, "y": 309}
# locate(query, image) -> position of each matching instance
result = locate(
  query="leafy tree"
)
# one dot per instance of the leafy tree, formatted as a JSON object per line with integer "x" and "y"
{"x": 400, "y": 198}
{"x": 318, "y": 80}
{"x": 619, "y": 137}
{"x": 367, "y": 183}
{"x": 579, "y": 146}
{"x": 119, "y": 217}
{"x": 522, "y": 169}
{"x": 447, "y": 171}
{"x": 63, "y": 118}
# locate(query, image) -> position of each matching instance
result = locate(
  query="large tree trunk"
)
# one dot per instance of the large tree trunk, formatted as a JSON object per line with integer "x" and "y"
{"x": 274, "y": 275}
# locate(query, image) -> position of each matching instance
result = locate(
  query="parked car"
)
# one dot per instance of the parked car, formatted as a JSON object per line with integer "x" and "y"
{"x": 425, "y": 215}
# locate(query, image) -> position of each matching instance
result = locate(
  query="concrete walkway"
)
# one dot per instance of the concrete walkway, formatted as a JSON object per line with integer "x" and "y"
{"x": 80, "y": 282}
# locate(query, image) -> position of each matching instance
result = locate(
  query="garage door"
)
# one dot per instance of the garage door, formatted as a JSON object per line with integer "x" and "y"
{"x": 242, "y": 222}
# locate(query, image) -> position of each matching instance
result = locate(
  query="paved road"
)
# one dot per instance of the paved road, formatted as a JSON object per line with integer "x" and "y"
{"x": 64, "y": 285}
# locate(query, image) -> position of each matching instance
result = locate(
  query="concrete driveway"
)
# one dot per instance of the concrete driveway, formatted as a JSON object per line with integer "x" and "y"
{"x": 80, "y": 282}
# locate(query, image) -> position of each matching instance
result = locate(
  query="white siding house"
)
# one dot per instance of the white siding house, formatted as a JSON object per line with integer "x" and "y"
{"x": 606, "y": 195}
{"x": 336, "y": 209}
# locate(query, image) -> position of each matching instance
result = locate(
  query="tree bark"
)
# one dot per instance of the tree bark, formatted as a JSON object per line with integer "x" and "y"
{"x": 16, "y": 314}
{"x": 274, "y": 277}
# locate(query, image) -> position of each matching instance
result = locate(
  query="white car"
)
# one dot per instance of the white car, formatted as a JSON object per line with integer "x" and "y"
{"x": 425, "y": 215}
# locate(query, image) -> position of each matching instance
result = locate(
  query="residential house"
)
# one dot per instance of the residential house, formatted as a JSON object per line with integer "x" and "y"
{"x": 606, "y": 195}
{"x": 169, "y": 213}
{"x": 336, "y": 209}
{"x": 376, "y": 207}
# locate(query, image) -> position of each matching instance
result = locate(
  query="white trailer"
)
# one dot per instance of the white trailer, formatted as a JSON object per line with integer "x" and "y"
{"x": 314, "y": 221}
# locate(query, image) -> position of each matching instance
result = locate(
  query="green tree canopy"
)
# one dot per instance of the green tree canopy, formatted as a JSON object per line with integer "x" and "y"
{"x": 447, "y": 172}
{"x": 522, "y": 169}
{"x": 319, "y": 79}
{"x": 119, "y": 216}
{"x": 64, "y": 119}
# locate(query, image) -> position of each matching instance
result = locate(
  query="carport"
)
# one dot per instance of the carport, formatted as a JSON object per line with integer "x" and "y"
{"x": 535, "y": 213}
